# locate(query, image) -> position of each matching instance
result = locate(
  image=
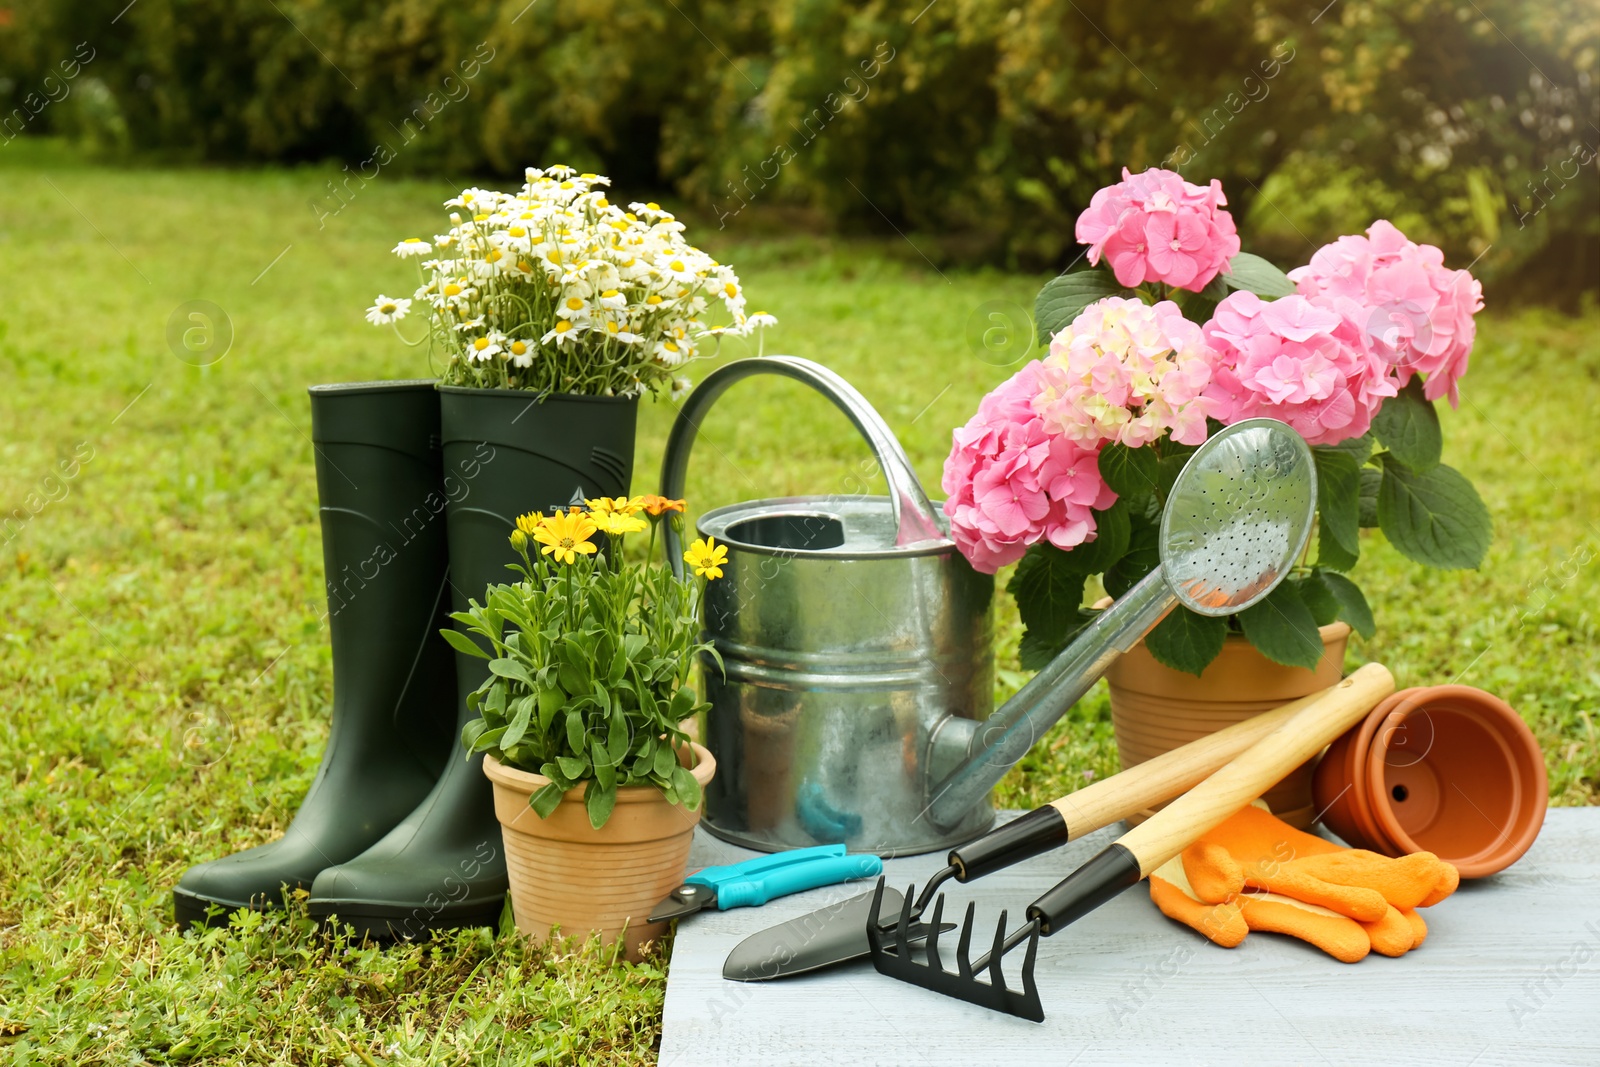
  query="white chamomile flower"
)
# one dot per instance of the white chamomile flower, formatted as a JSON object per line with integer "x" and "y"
{"x": 678, "y": 267}
{"x": 613, "y": 299}
{"x": 761, "y": 320}
{"x": 469, "y": 325}
{"x": 412, "y": 246}
{"x": 573, "y": 307}
{"x": 387, "y": 309}
{"x": 564, "y": 332}
{"x": 520, "y": 351}
{"x": 670, "y": 353}
{"x": 483, "y": 349}
{"x": 680, "y": 388}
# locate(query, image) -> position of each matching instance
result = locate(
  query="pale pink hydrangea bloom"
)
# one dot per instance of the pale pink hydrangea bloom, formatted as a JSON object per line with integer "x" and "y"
{"x": 1012, "y": 483}
{"x": 1156, "y": 227}
{"x": 1421, "y": 311}
{"x": 1128, "y": 372}
{"x": 1306, "y": 361}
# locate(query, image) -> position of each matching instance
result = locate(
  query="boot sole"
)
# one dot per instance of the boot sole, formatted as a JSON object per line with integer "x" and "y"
{"x": 396, "y": 922}
{"x": 190, "y": 910}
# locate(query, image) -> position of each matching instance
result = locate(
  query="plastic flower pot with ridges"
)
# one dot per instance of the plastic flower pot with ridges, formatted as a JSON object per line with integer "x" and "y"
{"x": 564, "y": 873}
{"x": 1155, "y": 709}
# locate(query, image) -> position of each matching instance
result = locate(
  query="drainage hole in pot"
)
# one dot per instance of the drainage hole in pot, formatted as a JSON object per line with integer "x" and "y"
{"x": 1400, "y": 792}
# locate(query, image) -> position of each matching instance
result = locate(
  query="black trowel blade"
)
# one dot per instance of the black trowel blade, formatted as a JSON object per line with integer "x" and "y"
{"x": 834, "y": 934}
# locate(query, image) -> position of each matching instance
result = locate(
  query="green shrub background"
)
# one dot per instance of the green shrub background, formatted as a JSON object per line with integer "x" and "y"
{"x": 979, "y": 127}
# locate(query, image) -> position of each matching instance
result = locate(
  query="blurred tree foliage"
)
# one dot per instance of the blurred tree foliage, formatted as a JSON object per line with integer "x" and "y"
{"x": 982, "y": 125}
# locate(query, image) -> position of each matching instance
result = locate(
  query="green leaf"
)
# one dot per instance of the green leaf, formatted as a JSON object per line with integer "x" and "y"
{"x": 462, "y": 643}
{"x": 1371, "y": 479}
{"x": 510, "y": 668}
{"x": 545, "y": 799}
{"x": 489, "y": 740}
{"x": 618, "y": 739}
{"x": 605, "y": 768}
{"x": 665, "y": 760}
{"x": 1318, "y": 598}
{"x": 1256, "y": 275}
{"x": 1035, "y": 651}
{"x": 1064, "y": 297}
{"x": 1048, "y": 589}
{"x": 1282, "y": 628}
{"x": 1129, "y": 471}
{"x": 598, "y": 801}
{"x": 1186, "y": 641}
{"x": 1199, "y": 307}
{"x": 471, "y": 732}
{"x": 519, "y": 722}
{"x": 1358, "y": 447}
{"x": 687, "y": 787}
{"x": 682, "y": 704}
{"x": 575, "y": 732}
{"x": 1141, "y": 558}
{"x": 1435, "y": 517}
{"x": 574, "y": 767}
{"x": 1408, "y": 426}
{"x": 1353, "y": 607}
{"x": 1331, "y": 554}
{"x": 1339, "y": 498}
{"x": 551, "y": 700}
{"x": 1113, "y": 528}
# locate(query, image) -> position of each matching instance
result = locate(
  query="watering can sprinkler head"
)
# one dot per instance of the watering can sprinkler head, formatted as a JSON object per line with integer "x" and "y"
{"x": 1235, "y": 520}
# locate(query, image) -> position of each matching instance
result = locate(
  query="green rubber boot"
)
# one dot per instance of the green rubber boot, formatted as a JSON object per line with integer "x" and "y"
{"x": 380, "y": 483}
{"x": 505, "y": 454}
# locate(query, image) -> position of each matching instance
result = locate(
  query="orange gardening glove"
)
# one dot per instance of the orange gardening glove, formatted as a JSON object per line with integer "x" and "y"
{"x": 1345, "y": 901}
{"x": 1226, "y": 924}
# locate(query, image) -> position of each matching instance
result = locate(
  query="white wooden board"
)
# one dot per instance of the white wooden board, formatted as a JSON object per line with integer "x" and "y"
{"x": 1510, "y": 973}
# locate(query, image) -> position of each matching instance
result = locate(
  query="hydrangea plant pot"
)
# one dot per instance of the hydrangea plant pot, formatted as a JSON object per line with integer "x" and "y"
{"x": 1155, "y": 709}
{"x": 566, "y": 874}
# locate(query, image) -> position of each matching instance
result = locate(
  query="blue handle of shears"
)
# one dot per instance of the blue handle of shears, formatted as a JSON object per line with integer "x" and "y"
{"x": 762, "y": 879}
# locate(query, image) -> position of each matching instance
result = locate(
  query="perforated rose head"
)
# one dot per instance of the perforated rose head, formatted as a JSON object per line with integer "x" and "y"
{"x": 1419, "y": 315}
{"x": 1156, "y": 227}
{"x": 1306, "y": 361}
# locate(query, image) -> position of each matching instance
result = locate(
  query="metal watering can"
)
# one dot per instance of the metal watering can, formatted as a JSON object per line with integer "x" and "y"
{"x": 855, "y": 703}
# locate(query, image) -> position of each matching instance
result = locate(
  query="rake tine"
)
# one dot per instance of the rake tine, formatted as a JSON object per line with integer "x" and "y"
{"x": 997, "y": 977}
{"x": 874, "y": 930}
{"x": 1029, "y": 989}
{"x": 902, "y": 944}
{"x": 964, "y": 948}
{"x": 933, "y": 934}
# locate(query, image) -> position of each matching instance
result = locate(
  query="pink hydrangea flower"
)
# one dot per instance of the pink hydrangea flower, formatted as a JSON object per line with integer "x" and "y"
{"x": 1012, "y": 483}
{"x": 1156, "y": 227}
{"x": 1420, "y": 317}
{"x": 1305, "y": 360}
{"x": 1128, "y": 372}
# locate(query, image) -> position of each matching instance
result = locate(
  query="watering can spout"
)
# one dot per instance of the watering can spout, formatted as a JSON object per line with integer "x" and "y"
{"x": 967, "y": 757}
{"x": 1235, "y": 520}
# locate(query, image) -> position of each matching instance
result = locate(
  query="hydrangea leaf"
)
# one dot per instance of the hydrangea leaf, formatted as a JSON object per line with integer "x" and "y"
{"x": 1338, "y": 502}
{"x": 1185, "y": 641}
{"x": 1256, "y": 275}
{"x": 1064, "y": 297}
{"x": 1282, "y": 628}
{"x": 1353, "y": 607}
{"x": 1048, "y": 589}
{"x": 1129, "y": 471}
{"x": 1434, "y": 517}
{"x": 1408, "y": 426}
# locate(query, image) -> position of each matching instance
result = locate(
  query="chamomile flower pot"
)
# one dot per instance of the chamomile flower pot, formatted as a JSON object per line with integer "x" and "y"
{"x": 1447, "y": 769}
{"x": 1155, "y": 709}
{"x": 566, "y": 874}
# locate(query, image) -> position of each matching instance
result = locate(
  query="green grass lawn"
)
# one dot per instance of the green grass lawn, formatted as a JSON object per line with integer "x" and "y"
{"x": 165, "y": 680}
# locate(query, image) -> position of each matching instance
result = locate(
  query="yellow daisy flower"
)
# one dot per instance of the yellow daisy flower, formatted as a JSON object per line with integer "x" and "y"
{"x": 706, "y": 557}
{"x": 615, "y": 522}
{"x": 618, "y": 505}
{"x": 565, "y": 535}
{"x": 657, "y": 505}
{"x": 530, "y": 522}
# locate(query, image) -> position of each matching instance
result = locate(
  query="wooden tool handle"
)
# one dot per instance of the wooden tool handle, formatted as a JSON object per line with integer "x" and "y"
{"x": 1170, "y": 774}
{"x": 1332, "y": 712}
{"x": 1117, "y": 797}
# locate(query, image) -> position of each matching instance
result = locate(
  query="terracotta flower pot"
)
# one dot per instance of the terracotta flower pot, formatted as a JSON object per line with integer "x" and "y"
{"x": 1447, "y": 769}
{"x": 565, "y": 873}
{"x": 1155, "y": 709}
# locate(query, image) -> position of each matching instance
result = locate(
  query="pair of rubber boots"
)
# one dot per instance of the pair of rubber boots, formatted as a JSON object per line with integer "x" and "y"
{"x": 397, "y": 836}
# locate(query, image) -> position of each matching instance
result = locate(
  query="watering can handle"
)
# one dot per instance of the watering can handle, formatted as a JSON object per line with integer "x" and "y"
{"x": 914, "y": 517}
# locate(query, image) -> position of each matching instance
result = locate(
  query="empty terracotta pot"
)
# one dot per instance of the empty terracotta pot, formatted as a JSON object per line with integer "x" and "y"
{"x": 1447, "y": 769}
